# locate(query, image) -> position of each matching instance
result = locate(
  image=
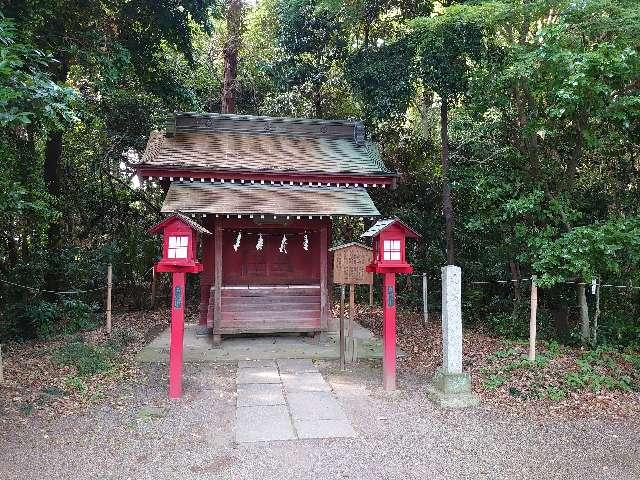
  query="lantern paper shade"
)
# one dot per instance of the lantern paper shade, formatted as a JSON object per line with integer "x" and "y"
{"x": 178, "y": 247}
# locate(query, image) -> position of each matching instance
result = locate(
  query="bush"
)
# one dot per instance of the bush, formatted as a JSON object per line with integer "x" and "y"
{"x": 87, "y": 359}
{"x": 77, "y": 315}
{"x": 39, "y": 318}
{"x": 517, "y": 328}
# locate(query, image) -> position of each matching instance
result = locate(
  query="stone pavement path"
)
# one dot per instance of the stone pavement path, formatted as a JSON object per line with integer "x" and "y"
{"x": 286, "y": 399}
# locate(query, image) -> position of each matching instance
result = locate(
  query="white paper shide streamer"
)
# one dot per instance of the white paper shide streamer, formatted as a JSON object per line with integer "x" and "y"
{"x": 283, "y": 244}
{"x": 260, "y": 243}
{"x": 305, "y": 243}
{"x": 237, "y": 244}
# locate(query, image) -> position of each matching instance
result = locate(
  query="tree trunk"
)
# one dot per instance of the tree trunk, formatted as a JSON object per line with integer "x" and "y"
{"x": 231, "y": 47}
{"x": 585, "y": 334}
{"x": 447, "y": 206}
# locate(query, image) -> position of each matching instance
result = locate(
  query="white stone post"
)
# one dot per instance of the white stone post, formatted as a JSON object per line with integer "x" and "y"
{"x": 451, "y": 319}
{"x": 451, "y": 387}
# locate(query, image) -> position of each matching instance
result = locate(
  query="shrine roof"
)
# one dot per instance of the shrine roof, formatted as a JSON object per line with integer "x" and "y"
{"x": 244, "y": 143}
{"x": 350, "y": 244}
{"x": 278, "y": 200}
{"x": 192, "y": 223}
{"x": 385, "y": 223}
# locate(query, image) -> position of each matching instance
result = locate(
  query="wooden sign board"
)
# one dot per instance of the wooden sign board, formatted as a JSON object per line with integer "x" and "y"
{"x": 349, "y": 262}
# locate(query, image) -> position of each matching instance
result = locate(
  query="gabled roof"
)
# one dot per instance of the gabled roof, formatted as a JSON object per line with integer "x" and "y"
{"x": 244, "y": 143}
{"x": 350, "y": 244}
{"x": 177, "y": 215}
{"x": 385, "y": 223}
{"x": 256, "y": 199}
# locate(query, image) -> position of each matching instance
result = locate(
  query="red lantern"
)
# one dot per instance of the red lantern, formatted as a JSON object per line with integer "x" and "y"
{"x": 179, "y": 249}
{"x": 179, "y": 244}
{"x": 389, "y": 246}
{"x": 389, "y": 257}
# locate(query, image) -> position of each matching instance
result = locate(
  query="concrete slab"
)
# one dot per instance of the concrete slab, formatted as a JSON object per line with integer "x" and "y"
{"x": 263, "y": 424}
{"x": 324, "y": 429}
{"x": 304, "y": 382}
{"x": 315, "y": 406}
{"x": 256, "y": 363}
{"x": 296, "y": 365}
{"x": 257, "y": 347}
{"x": 260, "y": 394}
{"x": 258, "y": 375}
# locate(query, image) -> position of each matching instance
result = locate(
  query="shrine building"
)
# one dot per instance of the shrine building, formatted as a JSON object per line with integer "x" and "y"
{"x": 268, "y": 190}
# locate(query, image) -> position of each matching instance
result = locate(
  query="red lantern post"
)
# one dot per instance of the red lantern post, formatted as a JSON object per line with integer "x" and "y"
{"x": 389, "y": 257}
{"x": 178, "y": 257}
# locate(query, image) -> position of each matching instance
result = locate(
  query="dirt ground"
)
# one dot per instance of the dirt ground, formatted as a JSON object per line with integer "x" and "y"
{"x": 136, "y": 433}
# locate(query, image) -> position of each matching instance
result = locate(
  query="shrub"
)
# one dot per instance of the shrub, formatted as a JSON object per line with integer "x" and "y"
{"x": 87, "y": 359}
{"x": 77, "y": 315}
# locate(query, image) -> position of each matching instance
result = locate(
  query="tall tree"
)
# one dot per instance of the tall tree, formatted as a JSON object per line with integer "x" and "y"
{"x": 235, "y": 28}
{"x": 447, "y": 45}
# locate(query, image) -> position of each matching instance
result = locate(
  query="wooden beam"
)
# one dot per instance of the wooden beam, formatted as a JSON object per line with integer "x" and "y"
{"x": 276, "y": 177}
{"x": 217, "y": 280}
{"x": 109, "y": 285}
{"x": 324, "y": 278}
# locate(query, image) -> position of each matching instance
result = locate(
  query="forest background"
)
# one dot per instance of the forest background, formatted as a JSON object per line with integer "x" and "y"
{"x": 514, "y": 126}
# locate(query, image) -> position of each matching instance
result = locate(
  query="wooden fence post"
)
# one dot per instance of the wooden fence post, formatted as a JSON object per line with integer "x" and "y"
{"x": 352, "y": 314}
{"x": 154, "y": 279}
{"x": 533, "y": 320}
{"x": 425, "y": 310}
{"x": 109, "y": 279}
{"x": 342, "y": 294}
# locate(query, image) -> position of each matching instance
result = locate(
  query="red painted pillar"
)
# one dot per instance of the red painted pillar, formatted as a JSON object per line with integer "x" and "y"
{"x": 389, "y": 332}
{"x": 177, "y": 335}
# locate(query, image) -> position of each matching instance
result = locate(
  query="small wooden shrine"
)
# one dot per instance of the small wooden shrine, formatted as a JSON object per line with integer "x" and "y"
{"x": 268, "y": 189}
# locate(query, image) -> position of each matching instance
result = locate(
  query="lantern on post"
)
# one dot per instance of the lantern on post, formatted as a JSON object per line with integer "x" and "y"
{"x": 179, "y": 256}
{"x": 389, "y": 257}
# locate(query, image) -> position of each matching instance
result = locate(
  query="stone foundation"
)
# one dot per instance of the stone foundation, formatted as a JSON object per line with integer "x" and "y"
{"x": 452, "y": 390}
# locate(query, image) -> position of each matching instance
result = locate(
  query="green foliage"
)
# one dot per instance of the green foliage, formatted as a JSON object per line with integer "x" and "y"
{"x": 76, "y": 383}
{"x": 611, "y": 248}
{"x": 27, "y": 93}
{"x": 373, "y": 73}
{"x": 447, "y": 45}
{"x": 87, "y": 359}
{"x": 493, "y": 382}
{"x": 544, "y": 132}
{"x": 555, "y": 393}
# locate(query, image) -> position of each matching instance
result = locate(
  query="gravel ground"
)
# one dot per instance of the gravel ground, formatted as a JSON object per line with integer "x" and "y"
{"x": 141, "y": 435}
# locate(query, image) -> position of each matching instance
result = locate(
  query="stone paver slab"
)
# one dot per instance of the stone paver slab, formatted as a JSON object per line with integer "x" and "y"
{"x": 296, "y": 365}
{"x": 324, "y": 429}
{"x": 258, "y": 375}
{"x": 315, "y": 406}
{"x": 255, "y": 394}
{"x": 263, "y": 424}
{"x": 256, "y": 363}
{"x": 304, "y": 382}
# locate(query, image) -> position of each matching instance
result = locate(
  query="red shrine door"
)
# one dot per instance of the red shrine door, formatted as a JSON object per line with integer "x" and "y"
{"x": 269, "y": 266}
{"x": 265, "y": 290}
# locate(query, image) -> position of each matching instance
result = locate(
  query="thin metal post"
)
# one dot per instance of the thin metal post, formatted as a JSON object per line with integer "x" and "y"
{"x": 371, "y": 295}
{"x": 109, "y": 285}
{"x": 342, "y": 295}
{"x": 1, "y": 370}
{"x": 425, "y": 309}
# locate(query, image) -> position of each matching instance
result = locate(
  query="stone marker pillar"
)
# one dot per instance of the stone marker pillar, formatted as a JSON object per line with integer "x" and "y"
{"x": 451, "y": 387}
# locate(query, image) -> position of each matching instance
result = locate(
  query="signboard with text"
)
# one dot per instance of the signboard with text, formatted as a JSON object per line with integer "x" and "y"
{"x": 349, "y": 264}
